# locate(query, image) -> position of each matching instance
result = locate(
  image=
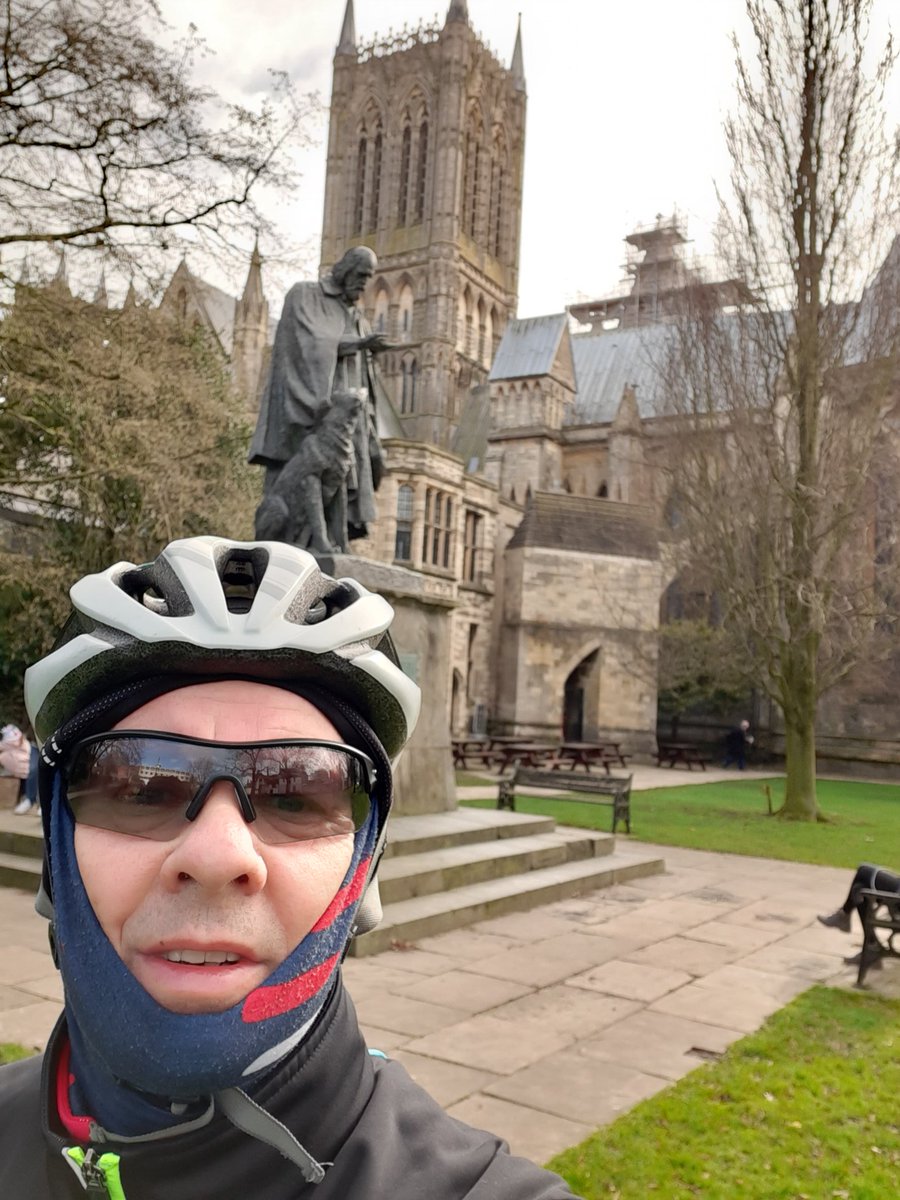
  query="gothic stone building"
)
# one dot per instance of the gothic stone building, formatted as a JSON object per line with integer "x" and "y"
{"x": 555, "y": 587}
{"x": 523, "y": 479}
{"x": 526, "y": 485}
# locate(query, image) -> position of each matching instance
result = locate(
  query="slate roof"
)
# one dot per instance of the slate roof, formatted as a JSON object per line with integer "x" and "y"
{"x": 558, "y": 521}
{"x": 606, "y": 362}
{"x": 471, "y": 439}
{"x": 219, "y": 309}
{"x": 528, "y": 347}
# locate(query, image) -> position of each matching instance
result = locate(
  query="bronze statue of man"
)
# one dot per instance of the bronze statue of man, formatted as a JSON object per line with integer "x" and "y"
{"x": 316, "y": 433}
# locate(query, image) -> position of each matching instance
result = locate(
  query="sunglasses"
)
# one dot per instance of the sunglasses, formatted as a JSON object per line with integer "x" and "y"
{"x": 147, "y": 784}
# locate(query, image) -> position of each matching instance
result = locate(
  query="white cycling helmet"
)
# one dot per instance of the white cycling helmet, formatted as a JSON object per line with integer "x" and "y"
{"x": 212, "y": 608}
{"x": 209, "y": 608}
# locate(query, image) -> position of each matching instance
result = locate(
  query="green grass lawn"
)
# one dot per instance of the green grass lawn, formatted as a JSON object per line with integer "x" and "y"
{"x": 10, "y": 1051}
{"x": 473, "y": 779}
{"x": 863, "y": 820}
{"x": 806, "y": 1107}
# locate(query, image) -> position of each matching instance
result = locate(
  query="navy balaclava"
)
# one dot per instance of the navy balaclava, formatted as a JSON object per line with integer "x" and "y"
{"x": 120, "y": 1035}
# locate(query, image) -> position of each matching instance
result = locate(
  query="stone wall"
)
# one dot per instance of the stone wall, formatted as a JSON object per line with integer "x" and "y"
{"x": 423, "y": 779}
{"x": 560, "y": 608}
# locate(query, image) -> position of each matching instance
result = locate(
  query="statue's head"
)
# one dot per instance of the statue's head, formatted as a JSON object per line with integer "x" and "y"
{"x": 354, "y": 271}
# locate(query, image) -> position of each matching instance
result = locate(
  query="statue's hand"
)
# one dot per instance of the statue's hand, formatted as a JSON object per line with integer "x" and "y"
{"x": 376, "y": 342}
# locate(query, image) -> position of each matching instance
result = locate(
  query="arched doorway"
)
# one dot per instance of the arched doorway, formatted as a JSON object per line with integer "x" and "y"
{"x": 581, "y": 699}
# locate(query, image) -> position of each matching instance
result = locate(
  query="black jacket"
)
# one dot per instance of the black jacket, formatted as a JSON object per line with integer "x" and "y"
{"x": 387, "y": 1139}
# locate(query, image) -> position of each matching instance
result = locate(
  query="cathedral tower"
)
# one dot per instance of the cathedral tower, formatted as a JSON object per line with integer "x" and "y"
{"x": 425, "y": 154}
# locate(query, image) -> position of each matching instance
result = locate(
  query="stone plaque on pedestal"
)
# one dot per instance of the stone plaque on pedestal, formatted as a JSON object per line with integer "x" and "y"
{"x": 423, "y": 780}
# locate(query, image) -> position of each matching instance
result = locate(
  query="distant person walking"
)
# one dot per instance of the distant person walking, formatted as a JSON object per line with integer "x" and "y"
{"x": 737, "y": 741}
{"x": 20, "y": 759}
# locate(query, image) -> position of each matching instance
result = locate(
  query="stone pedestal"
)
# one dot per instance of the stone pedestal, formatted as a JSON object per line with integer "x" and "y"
{"x": 423, "y": 781}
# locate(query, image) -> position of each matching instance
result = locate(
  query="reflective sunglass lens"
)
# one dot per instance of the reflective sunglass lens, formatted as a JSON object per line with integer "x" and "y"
{"x": 144, "y": 786}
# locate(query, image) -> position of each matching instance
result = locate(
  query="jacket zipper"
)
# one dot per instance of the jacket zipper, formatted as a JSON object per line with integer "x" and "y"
{"x": 98, "y": 1175}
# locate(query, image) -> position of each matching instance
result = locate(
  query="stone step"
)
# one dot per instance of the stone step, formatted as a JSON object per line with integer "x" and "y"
{"x": 460, "y": 827}
{"x": 21, "y": 871}
{"x": 408, "y": 875}
{"x": 21, "y": 835}
{"x": 425, "y": 916}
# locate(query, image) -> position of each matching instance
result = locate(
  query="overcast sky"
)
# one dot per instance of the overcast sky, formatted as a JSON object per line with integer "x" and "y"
{"x": 625, "y": 106}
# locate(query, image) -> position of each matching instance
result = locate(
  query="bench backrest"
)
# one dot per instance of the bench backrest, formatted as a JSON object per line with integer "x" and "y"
{"x": 607, "y": 785}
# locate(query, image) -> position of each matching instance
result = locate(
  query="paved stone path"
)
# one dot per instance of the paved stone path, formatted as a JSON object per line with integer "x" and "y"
{"x": 544, "y": 1025}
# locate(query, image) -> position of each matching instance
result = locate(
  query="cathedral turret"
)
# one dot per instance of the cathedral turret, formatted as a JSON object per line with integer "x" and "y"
{"x": 517, "y": 66}
{"x": 100, "y": 296}
{"x": 60, "y": 280}
{"x": 347, "y": 44}
{"x": 253, "y": 298}
{"x": 458, "y": 11}
{"x": 251, "y": 323}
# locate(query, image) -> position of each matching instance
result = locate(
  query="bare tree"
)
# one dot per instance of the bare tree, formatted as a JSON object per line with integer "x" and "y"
{"x": 782, "y": 404}
{"x": 105, "y": 142}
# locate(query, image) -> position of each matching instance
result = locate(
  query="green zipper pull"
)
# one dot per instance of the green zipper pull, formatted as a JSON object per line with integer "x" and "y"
{"x": 98, "y": 1175}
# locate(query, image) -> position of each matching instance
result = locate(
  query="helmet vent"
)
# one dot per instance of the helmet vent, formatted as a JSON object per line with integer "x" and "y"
{"x": 341, "y": 596}
{"x": 239, "y": 584}
{"x": 141, "y": 586}
{"x": 241, "y": 572}
{"x": 317, "y": 612}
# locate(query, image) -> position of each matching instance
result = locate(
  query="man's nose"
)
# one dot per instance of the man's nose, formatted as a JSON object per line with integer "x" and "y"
{"x": 218, "y": 848}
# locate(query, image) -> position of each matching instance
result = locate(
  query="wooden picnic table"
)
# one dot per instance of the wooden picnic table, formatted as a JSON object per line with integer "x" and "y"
{"x": 670, "y": 754}
{"x": 582, "y": 754}
{"x": 589, "y": 754}
{"x": 477, "y": 749}
{"x": 527, "y": 754}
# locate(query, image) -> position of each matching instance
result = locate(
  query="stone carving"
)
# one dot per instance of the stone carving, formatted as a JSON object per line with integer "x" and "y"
{"x": 316, "y": 434}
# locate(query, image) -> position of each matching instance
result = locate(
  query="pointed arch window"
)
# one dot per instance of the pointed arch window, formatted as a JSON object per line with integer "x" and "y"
{"x": 482, "y": 317}
{"x": 461, "y": 305}
{"x": 375, "y": 190}
{"x": 405, "y": 161}
{"x": 407, "y": 303}
{"x": 472, "y": 178}
{"x": 421, "y": 170}
{"x": 382, "y": 307}
{"x": 498, "y": 185}
{"x": 362, "y": 154}
{"x": 408, "y": 385}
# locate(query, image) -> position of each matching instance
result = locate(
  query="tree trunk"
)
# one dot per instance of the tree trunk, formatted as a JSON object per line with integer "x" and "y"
{"x": 800, "y": 764}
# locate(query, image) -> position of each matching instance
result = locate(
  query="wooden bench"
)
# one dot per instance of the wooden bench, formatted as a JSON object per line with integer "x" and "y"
{"x": 613, "y": 790}
{"x": 881, "y": 911}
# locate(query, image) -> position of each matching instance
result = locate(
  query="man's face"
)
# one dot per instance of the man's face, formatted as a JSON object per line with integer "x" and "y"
{"x": 215, "y": 887}
{"x": 361, "y": 271}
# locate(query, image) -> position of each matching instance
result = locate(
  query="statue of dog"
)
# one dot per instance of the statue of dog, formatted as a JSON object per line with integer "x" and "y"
{"x": 307, "y": 505}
